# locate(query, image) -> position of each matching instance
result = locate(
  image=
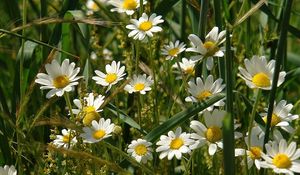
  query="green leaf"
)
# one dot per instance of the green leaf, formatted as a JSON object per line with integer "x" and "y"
{"x": 86, "y": 72}
{"x": 28, "y": 54}
{"x": 180, "y": 117}
{"x": 124, "y": 117}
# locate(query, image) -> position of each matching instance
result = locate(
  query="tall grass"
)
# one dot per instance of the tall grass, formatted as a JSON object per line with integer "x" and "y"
{"x": 33, "y": 33}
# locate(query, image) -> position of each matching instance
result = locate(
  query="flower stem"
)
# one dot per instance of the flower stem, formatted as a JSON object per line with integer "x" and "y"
{"x": 280, "y": 54}
{"x": 253, "y": 112}
{"x": 67, "y": 99}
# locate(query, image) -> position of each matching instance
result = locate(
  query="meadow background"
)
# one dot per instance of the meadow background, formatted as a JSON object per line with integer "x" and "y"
{"x": 34, "y": 32}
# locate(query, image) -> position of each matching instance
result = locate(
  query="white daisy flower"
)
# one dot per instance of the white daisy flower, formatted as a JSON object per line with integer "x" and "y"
{"x": 201, "y": 91}
{"x": 281, "y": 116}
{"x": 211, "y": 132}
{"x": 98, "y": 131}
{"x": 114, "y": 74}
{"x": 174, "y": 144}
{"x": 209, "y": 48}
{"x": 89, "y": 109}
{"x": 66, "y": 140}
{"x": 144, "y": 26}
{"x": 173, "y": 49}
{"x": 8, "y": 170}
{"x": 125, "y": 6}
{"x": 259, "y": 73}
{"x": 59, "y": 79}
{"x": 254, "y": 149}
{"x": 141, "y": 150}
{"x": 92, "y": 6}
{"x": 187, "y": 66}
{"x": 282, "y": 158}
{"x": 140, "y": 83}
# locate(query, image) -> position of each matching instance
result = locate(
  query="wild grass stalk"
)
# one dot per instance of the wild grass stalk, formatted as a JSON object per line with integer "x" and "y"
{"x": 279, "y": 59}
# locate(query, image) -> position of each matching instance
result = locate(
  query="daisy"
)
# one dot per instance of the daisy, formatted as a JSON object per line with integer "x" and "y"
{"x": 66, "y": 140}
{"x": 114, "y": 74}
{"x": 174, "y": 144}
{"x": 259, "y": 73}
{"x": 92, "y": 6}
{"x": 125, "y": 6}
{"x": 282, "y": 158}
{"x": 140, "y": 83}
{"x": 89, "y": 109}
{"x": 8, "y": 170}
{"x": 144, "y": 26}
{"x": 209, "y": 48}
{"x": 59, "y": 79}
{"x": 187, "y": 66}
{"x": 173, "y": 49}
{"x": 98, "y": 131}
{"x": 141, "y": 150}
{"x": 254, "y": 149}
{"x": 281, "y": 116}
{"x": 201, "y": 91}
{"x": 211, "y": 132}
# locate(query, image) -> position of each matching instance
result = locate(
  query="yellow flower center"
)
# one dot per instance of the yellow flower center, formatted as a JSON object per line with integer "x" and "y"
{"x": 176, "y": 143}
{"x": 213, "y": 134}
{"x": 66, "y": 138}
{"x": 261, "y": 80}
{"x": 203, "y": 95}
{"x": 89, "y": 117}
{"x": 189, "y": 70}
{"x": 140, "y": 150}
{"x": 255, "y": 152}
{"x": 274, "y": 121}
{"x": 129, "y": 4}
{"x": 61, "y": 81}
{"x": 173, "y": 52}
{"x": 99, "y": 134}
{"x": 282, "y": 161}
{"x": 211, "y": 48}
{"x": 145, "y": 26}
{"x": 94, "y": 6}
{"x": 139, "y": 86}
{"x": 88, "y": 109}
{"x": 110, "y": 78}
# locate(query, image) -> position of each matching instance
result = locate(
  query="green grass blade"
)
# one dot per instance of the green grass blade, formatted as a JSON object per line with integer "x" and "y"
{"x": 180, "y": 117}
{"x": 164, "y": 7}
{"x": 228, "y": 142}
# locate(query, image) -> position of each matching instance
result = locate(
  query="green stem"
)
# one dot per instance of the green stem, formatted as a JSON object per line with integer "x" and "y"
{"x": 141, "y": 7}
{"x": 67, "y": 99}
{"x": 253, "y": 112}
{"x": 229, "y": 149}
{"x": 279, "y": 56}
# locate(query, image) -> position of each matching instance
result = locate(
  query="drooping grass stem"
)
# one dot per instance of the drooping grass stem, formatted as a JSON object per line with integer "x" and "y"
{"x": 67, "y": 99}
{"x": 279, "y": 56}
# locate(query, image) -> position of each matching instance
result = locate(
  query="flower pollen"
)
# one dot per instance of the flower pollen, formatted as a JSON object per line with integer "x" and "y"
{"x": 129, "y": 4}
{"x": 66, "y": 138}
{"x": 282, "y": 161}
{"x": 61, "y": 81}
{"x": 176, "y": 143}
{"x": 211, "y": 48}
{"x": 261, "y": 80}
{"x": 255, "y": 152}
{"x": 213, "y": 134}
{"x": 140, "y": 149}
{"x": 139, "y": 86}
{"x": 145, "y": 26}
{"x": 174, "y": 51}
{"x": 274, "y": 121}
{"x": 110, "y": 78}
{"x": 203, "y": 95}
{"x": 99, "y": 134}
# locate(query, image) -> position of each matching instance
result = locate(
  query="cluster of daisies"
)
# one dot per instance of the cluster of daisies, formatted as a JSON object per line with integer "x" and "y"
{"x": 258, "y": 74}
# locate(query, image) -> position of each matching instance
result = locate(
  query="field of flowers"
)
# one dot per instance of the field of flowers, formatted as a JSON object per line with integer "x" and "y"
{"x": 204, "y": 87}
